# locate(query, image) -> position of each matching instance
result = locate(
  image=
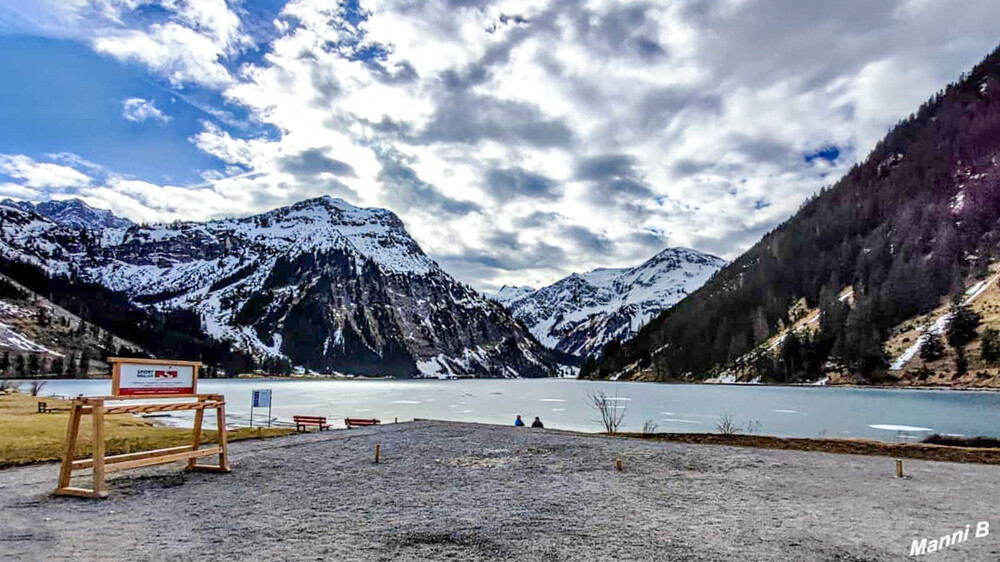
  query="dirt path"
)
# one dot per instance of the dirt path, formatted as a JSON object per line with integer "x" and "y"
{"x": 452, "y": 491}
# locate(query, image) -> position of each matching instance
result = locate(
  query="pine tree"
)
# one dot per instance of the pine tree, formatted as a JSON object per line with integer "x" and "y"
{"x": 57, "y": 367}
{"x": 962, "y": 326}
{"x": 108, "y": 343}
{"x": 70, "y": 368}
{"x": 961, "y": 332}
{"x": 991, "y": 345}
{"x": 4, "y": 363}
{"x": 932, "y": 348}
{"x": 19, "y": 366}
{"x": 84, "y": 364}
{"x": 34, "y": 365}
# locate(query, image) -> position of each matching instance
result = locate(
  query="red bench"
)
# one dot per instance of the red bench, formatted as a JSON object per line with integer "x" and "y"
{"x": 360, "y": 422}
{"x": 301, "y": 422}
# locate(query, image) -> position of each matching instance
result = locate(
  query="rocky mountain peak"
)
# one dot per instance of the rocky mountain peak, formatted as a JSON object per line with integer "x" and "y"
{"x": 582, "y": 312}
{"x": 76, "y": 213}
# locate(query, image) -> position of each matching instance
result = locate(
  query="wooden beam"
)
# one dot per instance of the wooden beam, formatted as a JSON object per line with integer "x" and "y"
{"x": 220, "y": 425}
{"x": 116, "y": 377}
{"x": 196, "y": 440}
{"x": 207, "y": 468}
{"x": 144, "y": 408}
{"x": 69, "y": 446}
{"x": 88, "y": 463}
{"x": 162, "y": 459}
{"x": 98, "y": 434}
{"x": 80, "y": 493}
{"x": 88, "y": 399}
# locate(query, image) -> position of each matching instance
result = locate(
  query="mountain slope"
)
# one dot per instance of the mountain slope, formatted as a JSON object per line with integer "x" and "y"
{"x": 581, "y": 313}
{"x": 73, "y": 213}
{"x": 38, "y": 331}
{"x": 321, "y": 284}
{"x": 905, "y": 228}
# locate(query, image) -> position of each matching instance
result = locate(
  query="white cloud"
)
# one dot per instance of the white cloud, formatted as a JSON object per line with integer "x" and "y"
{"x": 179, "y": 53}
{"x": 18, "y": 191}
{"x": 138, "y": 110}
{"x": 41, "y": 175}
{"x": 609, "y": 121}
{"x": 188, "y": 42}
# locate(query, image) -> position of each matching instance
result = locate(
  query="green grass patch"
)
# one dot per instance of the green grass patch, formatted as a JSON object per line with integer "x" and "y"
{"x": 29, "y": 437}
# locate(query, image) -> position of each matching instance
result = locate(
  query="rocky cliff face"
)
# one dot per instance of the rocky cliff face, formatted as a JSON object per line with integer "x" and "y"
{"x": 323, "y": 284}
{"x": 581, "y": 313}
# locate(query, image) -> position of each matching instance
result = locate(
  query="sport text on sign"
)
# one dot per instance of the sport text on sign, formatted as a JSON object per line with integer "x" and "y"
{"x": 155, "y": 379}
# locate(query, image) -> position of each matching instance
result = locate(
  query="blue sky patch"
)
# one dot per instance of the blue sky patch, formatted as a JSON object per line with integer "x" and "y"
{"x": 830, "y": 154}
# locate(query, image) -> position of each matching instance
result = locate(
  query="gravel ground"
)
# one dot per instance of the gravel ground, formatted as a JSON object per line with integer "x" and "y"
{"x": 453, "y": 491}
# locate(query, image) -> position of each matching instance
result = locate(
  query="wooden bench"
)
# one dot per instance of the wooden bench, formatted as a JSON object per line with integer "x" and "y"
{"x": 360, "y": 422}
{"x": 301, "y": 422}
{"x": 43, "y": 408}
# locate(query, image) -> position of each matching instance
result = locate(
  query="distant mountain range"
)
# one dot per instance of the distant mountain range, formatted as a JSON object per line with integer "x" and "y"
{"x": 321, "y": 284}
{"x": 581, "y": 313}
{"x": 72, "y": 213}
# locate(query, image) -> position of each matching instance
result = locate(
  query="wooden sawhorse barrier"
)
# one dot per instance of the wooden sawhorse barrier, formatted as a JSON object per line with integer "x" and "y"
{"x": 97, "y": 408}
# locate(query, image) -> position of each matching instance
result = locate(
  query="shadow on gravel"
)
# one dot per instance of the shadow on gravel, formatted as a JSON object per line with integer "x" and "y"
{"x": 139, "y": 484}
{"x": 459, "y": 545}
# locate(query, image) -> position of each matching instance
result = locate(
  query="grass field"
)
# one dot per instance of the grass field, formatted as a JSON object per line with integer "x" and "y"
{"x": 28, "y": 437}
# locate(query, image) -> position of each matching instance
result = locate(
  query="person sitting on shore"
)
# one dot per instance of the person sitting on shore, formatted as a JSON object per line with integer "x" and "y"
{"x": 518, "y": 422}
{"x": 537, "y": 423}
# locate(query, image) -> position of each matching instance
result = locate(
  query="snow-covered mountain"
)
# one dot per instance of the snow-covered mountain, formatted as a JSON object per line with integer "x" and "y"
{"x": 581, "y": 313}
{"x": 325, "y": 284}
{"x": 73, "y": 213}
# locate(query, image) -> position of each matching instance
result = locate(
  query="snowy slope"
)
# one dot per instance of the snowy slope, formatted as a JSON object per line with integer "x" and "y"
{"x": 325, "y": 284}
{"x": 581, "y": 313}
{"x": 72, "y": 213}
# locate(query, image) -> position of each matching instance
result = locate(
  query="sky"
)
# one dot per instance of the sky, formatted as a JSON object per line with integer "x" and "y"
{"x": 518, "y": 140}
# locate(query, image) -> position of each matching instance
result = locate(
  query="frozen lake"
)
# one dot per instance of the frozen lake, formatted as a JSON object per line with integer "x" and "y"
{"x": 889, "y": 415}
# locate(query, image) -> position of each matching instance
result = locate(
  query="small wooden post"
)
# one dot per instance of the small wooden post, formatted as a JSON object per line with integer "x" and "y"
{"x": 378, "y": 451}
{"x": 899, "y": 468}
{"x": 618, "y": 465}
{"x": 97, "y": 411}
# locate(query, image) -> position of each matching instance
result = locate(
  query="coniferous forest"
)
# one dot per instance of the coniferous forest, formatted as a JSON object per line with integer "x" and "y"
{"x": 905, "y": 228}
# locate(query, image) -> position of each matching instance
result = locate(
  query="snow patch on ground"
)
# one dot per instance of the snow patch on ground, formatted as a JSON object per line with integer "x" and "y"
{"x": 940, "y": 324}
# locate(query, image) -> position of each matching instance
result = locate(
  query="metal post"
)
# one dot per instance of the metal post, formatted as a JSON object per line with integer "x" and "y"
{"x": 269, "y": 400}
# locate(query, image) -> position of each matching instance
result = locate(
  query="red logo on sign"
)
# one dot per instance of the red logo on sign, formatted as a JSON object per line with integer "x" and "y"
{"x": 165, "y": 375}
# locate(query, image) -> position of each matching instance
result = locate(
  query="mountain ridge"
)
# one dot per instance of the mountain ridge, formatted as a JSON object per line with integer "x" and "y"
{"x": 321, "y": 283}
{"x": 582, "y": 312}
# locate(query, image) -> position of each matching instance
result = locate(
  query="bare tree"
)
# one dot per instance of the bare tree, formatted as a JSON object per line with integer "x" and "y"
{"x": 610, "y": 408}
{"x": 727, "y": 425}
{"x": 649, "y": 427}
{"x": 8, "y": 385}
{"x": 35, "y": 387}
